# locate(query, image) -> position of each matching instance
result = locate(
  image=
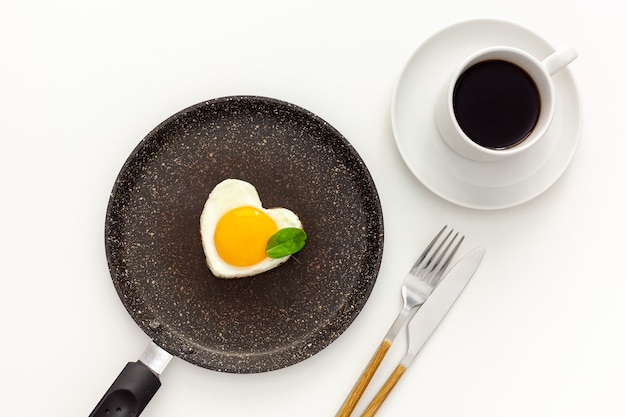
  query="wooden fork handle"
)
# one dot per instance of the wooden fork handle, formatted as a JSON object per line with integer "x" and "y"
{"x": 357, "y": 391}
{"x": 382, "y": 395}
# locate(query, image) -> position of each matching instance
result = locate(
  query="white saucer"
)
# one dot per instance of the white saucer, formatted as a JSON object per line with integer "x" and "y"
{"x": 480, "y": 185}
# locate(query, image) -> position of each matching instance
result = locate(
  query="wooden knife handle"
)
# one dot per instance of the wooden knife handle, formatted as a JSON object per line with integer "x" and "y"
{"x": 382, "y": 395}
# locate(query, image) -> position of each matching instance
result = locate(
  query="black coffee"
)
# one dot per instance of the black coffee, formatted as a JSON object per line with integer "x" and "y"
{"x": 496, "y": 103}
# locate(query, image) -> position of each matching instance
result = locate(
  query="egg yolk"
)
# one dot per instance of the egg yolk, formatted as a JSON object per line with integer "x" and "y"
{"x": 241, "y": 235}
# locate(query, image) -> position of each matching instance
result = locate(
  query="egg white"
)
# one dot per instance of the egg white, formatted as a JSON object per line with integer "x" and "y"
{"x": 228, "y": 195}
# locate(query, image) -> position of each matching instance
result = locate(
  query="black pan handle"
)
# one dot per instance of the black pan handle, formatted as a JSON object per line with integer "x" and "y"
{"x": 129, "y": 394}
{"x": 135, "y": 386}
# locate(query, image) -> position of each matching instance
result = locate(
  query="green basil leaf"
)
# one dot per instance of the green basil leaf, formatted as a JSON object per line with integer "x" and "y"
{"x": 285, "y": 242}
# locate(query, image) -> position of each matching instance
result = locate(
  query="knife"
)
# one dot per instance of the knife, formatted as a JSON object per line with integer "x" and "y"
{"x": 428, "y": 318}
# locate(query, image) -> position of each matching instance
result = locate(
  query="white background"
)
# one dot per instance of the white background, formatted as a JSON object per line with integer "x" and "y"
{"x": 539, "y": 331}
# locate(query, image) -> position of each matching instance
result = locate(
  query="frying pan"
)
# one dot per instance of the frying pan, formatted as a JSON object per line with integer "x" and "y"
{"x": 257, "y": 324}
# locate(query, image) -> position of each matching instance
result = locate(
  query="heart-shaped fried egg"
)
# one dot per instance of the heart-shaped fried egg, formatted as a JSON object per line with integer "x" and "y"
{"x": 235, "y": 229}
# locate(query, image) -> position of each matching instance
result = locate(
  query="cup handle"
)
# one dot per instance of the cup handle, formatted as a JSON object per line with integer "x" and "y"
{"x": 559, "y": 59}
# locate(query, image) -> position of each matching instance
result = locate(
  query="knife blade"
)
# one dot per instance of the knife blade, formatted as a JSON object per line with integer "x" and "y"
{"x": 439, "y": 303}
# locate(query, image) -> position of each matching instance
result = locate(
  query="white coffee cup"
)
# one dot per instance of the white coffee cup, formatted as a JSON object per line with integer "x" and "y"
{"x": 540, "y": 72}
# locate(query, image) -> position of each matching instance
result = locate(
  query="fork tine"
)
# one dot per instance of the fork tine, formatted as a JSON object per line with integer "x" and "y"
{"x": 440, "y": 267}
{"x": 454, "y": 250}
{"x": 424, "y": 254}
{"x": 437, "y": 250}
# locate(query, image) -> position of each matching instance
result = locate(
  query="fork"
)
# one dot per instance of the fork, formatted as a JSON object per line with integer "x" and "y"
{"x": 419, "y": 283}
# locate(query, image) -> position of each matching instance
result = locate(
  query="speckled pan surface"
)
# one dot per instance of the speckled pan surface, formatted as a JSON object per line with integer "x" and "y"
{"x": 262, "y": 323}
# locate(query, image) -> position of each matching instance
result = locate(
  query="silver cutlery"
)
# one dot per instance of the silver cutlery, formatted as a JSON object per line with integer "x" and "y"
{"x": 416, "y": 288}
{"x": 431, "y": 313}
